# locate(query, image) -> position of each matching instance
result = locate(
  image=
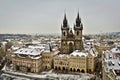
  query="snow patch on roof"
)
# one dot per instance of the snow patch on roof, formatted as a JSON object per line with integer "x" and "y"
{"x": 78, "y": 53}
{"x": 28, "y": 51}
{"x": 115, "y": 50}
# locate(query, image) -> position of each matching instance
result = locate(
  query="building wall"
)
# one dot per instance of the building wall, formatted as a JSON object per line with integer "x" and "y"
{"x": 101, "y": 48}
{"x": 91, "y": 63}
{"x": 26, "y": 64}
{"x": 68, "y": 45}
{"x": 47, "y": 59}
{"x": 75, "y": 63}
{"x": 61, "y": 63}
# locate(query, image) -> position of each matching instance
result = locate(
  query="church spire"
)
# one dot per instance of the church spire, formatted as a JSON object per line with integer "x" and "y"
{"x": 65, "y": 21}
{"x": 78, "y": 24}
{"x": 78, "y": 20}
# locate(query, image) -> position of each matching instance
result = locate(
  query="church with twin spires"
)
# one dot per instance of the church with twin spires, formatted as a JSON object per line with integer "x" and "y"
{"x": 71, "y": 41}
{"x": 39, "y": 57}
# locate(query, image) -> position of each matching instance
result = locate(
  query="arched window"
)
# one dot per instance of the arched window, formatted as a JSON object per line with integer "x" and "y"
{"x": 82, "y": 71}
{"x": 78, "y": 70}
{"x": 77, "y": 33}
{"x": 63, "y": 68}
{"x": 70, "y": 48}
{"x": 64, "y": 33}
{"x": 70, "y": 69}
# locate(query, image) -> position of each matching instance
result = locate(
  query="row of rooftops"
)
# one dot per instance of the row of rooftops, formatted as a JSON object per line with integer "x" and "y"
{"x": 32, "y": 50}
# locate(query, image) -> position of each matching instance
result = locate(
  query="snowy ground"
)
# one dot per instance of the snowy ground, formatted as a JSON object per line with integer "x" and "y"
{"x": 8, "y": 74}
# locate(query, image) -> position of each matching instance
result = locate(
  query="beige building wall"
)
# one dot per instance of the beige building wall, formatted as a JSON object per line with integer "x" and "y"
{"x": 26, "y": 64}
{"x": 90, "y": 63}
{"x": 61, "y": 63}
{"x": 77, "y": 64}
{"x": 47, "y": 59}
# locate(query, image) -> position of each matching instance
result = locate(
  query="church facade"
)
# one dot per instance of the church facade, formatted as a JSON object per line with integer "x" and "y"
{"x": 71, "y": 41}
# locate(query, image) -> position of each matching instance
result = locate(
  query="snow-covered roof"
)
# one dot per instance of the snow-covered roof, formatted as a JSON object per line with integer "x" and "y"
{"x": 78, "y": 53}
{"x": 97, "y": 43}
{"x": 36, "y": 47}
{"x": 36, "y": 42}
{"x": 56, "y": 52}
{"x": 44, "y": 47}
{"x": 4, "y": 42}
{"x": 93, "y": 51}
{"x": 19, "y": 42}
{"x": 38, "y": 57}
{"x": 28, "y": 51}
{"x": 112, "y": 59}
{"x": 113, "y": 64}
{"x": 14, "y": 47}
{"x": 87, "y": 47}
{"x": 115, "y": 50}
{"x": 63, "y": 55}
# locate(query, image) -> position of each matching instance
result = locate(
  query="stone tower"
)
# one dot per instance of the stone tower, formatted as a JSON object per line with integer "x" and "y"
{"x": 71, "y": 41}
{"x": 78, "y": 27}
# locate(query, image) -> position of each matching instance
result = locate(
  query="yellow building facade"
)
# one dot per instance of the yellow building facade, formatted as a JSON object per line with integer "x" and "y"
{"x": 26, "y": 64}
{"x": 23, "y": 61}
{"x": 47, "y": 60}
{"x": 76, "y": 62}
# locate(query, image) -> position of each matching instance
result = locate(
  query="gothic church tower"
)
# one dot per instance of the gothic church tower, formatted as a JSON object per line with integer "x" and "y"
{"x": 78, "y": 27}
{"x": 71, "y": 41}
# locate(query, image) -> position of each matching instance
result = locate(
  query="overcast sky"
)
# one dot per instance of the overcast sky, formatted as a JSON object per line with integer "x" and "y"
{"x": 46, "y": 16}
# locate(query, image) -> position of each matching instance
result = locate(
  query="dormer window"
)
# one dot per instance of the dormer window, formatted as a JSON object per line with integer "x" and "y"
{"x": 119, "y": 63}
{"x": 31, "y": 51}
{"x": 109, "y": 63}
{"x": 113, "y": 63}
{"x": 117, "y": 49}
{"x": 20, "y": 50}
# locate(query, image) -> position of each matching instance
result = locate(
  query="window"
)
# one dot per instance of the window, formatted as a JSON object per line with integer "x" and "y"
{"x": 77, "y": 33}
{"x": 64, "y": 33}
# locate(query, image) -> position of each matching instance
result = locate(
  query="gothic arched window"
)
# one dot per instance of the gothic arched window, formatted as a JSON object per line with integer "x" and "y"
{"x": 64, "y": 33}
{"x": 70, "y": 47}
{"x": 77, "y": 33}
